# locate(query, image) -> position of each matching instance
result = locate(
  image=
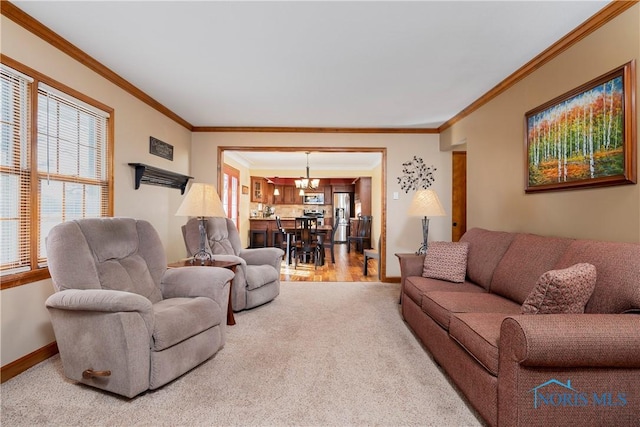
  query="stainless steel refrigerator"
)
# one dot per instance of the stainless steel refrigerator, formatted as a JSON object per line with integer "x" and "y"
{"x": 341, "y": 203}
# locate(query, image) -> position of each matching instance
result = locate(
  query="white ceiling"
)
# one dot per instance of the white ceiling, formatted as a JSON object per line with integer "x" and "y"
{"x": 297, "y": 161}
{"x": 313, "y": 64}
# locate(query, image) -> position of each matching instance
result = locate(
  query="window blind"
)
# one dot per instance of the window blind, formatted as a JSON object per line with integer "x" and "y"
{"x": 72, "y": 162}
{"x": 15, "y": 206}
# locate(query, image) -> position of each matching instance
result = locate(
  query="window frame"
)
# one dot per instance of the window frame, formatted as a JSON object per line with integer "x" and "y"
{"x": 37, "y": 273}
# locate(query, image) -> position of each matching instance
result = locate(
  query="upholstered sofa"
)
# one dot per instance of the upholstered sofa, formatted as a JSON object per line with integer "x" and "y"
{"x": 257, "y": 279}
{"x": 533, "y": 369}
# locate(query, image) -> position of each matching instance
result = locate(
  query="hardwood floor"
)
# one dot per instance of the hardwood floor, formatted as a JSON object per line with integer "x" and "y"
{"x": 347, "y": 268}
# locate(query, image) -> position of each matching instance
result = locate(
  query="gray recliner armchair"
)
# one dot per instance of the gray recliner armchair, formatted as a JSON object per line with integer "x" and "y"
{"x": 257, "y": 278}
{"x": 122, "y": 320}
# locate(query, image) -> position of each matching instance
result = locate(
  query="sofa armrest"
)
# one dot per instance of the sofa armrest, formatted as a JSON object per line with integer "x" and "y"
{"x": 410, "y": 265}
{"x": 102, "y": 300}
{"x": 196, "y": 281}
{"x": 572, "y": 340}
{"x": 104, "y": 330}
{"x": 261, "y": 256}
{"x": 98, "y": 300}
{"x": 226, "y": 257}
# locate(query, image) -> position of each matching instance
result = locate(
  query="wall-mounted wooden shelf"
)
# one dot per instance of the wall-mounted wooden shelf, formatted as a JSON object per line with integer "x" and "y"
{"x": 146, "y": 174}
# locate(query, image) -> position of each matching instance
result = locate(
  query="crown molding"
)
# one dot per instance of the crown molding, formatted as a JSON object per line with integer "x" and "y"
{"x": 310, "y": 129}
{"x": 34, "y": 26}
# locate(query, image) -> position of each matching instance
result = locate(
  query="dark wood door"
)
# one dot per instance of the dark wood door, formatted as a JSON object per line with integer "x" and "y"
{"x": 459, "y": 199}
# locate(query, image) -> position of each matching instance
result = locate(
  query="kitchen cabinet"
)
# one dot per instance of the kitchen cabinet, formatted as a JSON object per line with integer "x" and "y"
{"x": 362, "y": 194}
{"x": 328, "y": 198}
{"x": 342, "y": 188}
{"x": 278, "y": 199}
{"x": 257, "y": 188}
{"x": 267, "y": 195}
{"x": 291, "y": 195}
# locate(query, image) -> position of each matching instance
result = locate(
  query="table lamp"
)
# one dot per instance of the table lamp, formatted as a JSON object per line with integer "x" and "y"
{"x": 202, "y": 201}
{"x": 425, "y": 203}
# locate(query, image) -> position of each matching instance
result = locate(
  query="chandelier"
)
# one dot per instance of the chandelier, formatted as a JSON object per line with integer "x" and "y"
{"x": 307, "y": 183}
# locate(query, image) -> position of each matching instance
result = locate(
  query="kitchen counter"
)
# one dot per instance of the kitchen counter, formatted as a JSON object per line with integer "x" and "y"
{"x": 273, "y": 218}
{"x": 269, "y": 225}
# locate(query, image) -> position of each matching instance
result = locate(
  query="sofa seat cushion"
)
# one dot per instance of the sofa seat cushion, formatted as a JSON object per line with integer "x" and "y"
{"x": 415, "y": 287}
{"x": 479, "y": 334}
{"x": 440, "y": 306}
{"x": 260, "y": 275}
{"x": 176, "y": 319}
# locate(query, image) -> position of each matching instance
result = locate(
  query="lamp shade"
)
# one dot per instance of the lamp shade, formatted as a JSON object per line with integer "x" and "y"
{"x": 426, "y": 203}
{"x": 202, "y": 200}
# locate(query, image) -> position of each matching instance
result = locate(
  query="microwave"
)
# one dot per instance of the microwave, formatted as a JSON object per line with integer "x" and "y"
{"x": 313, "y": 199}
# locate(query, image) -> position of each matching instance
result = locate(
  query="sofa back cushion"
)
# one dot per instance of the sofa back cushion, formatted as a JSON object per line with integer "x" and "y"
{"x": 486, "y": 248}
{"x": 220, "y": 240}
{"x": 121, "y": 254}
{"x": 220, "y": 237}
{"x": 525, "y": 260}
{"x": 618, "y": 273}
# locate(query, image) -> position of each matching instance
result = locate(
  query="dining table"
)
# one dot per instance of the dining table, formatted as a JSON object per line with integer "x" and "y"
{"x": 321, "y": 231}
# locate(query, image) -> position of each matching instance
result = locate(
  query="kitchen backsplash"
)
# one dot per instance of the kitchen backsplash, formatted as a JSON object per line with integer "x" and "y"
{"x": 287, "y": 211}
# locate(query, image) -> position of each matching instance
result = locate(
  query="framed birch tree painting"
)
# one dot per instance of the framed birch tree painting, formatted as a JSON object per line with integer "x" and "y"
{"x": 586, "y": 137}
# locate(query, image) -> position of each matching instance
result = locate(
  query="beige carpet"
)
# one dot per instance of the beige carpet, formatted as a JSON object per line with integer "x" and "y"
{"x": 321, "y": 354}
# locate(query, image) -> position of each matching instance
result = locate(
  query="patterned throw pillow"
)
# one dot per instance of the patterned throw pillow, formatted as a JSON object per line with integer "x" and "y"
{"x": 562, "y": 291}
{"x": 446, "y": 261}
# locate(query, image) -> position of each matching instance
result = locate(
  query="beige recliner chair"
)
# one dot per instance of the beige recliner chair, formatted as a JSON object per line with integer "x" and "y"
{"x": 123, "y": 321}
{"x": 257, "y": 278}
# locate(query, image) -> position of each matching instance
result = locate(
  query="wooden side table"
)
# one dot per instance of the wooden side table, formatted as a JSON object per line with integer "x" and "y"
{"x": 231, "y": 265}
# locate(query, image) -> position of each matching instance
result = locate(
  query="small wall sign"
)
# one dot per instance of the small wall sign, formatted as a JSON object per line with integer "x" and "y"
{"x": 161, "y": 149}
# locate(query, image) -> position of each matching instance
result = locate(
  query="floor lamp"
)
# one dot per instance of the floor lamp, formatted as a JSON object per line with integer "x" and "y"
{"x": 202, "y": 201}
{"x": 425, "y": 203}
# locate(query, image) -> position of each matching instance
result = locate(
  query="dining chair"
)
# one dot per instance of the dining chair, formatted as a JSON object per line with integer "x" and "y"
{"x": 332, "y": 240}
{"x": 362, "y": 237}
{"x": 372, "y": 254}
{"x": 305, "y": 247}
{"x": 279, "y": 238}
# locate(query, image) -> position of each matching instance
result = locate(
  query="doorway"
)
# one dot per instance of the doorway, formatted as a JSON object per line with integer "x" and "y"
{"x": 380, "y": 204}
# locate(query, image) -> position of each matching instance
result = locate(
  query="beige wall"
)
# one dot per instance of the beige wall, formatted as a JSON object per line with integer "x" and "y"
{"x": 403, "y": 234}
{"x": 495, "y": 147}
{"x": 25, "y": 323}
